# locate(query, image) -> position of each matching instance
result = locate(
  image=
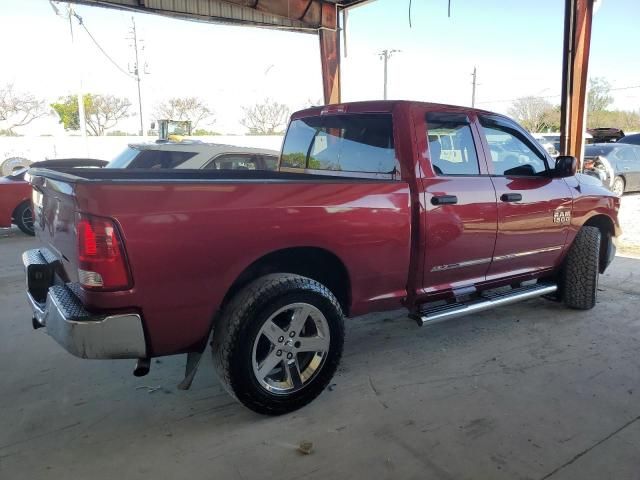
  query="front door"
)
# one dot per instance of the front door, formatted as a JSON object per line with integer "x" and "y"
{"x": 534, "y": 209}
{"x": 459, "y": 203}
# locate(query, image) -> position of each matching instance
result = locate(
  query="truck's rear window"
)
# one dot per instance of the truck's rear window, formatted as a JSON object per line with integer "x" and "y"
{"x": 345, "y": 142}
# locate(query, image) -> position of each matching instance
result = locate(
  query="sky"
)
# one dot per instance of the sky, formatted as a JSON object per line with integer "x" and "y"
{"x": 515, "y": 45}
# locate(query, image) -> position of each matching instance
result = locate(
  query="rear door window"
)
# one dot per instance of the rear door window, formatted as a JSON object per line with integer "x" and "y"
{"x": 341, "y": 143}
{"x": 451, "y": 147}
{"x": 232, "y": 162}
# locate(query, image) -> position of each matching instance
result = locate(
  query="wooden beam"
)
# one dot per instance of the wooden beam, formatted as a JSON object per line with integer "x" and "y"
{"x": 575, "y": 65}
{"x": 330, "y": 54}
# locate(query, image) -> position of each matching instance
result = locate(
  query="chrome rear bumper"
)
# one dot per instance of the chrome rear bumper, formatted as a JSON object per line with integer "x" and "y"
{"x": 81, "y": 333}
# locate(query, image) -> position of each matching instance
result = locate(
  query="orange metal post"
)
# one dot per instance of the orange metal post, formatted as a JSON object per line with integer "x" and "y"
{"x": 577, "y": 40}
{"x": 329, "y": 36}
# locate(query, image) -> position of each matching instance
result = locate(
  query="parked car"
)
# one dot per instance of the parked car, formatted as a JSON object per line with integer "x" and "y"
{"x": 194, "y": 154}
{"x": 547, "y": 144}
{"x": 633, "y": 139}
{"x": 15, "y": 193}
{"x": 367, "y": 212}
{"x": 605, "y": 134}
{"x": 616, "y": 164}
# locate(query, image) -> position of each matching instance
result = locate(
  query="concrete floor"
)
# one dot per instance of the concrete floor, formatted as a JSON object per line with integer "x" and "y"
{"x": 531, "y": 391}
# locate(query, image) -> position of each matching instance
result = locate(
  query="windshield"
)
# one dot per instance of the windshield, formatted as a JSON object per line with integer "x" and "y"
{"x": 124, "y": 158}
{"x": 133, "y": 157}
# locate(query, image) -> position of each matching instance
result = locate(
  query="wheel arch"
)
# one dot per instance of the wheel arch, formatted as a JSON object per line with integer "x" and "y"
{"x": 13, "y": 212}
{"x": 312, "y": 262}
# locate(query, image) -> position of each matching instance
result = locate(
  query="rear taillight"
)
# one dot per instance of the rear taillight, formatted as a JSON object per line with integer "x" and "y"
{"x": 101, "y": 260}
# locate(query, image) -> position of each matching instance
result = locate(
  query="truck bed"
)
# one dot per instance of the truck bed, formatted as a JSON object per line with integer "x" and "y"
{"x": 190, "y": 234}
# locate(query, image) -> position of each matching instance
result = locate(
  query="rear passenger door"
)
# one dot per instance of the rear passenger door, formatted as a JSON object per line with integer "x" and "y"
{"x": 460, "y": 212}
{"x": 534, "y": 209}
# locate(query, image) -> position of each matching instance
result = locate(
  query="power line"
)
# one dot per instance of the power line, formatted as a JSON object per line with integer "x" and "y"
{"x": 102, "y": 50}
{"x": 630, "y": 87}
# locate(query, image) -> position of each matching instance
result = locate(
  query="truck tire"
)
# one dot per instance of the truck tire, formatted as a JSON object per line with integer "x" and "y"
{"x": 23, "y": 218}
{"x": 278, "y": 342}
{"x": 582, "y": 270}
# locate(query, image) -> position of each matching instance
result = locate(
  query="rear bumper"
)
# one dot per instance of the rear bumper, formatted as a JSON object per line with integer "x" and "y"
{"x": 81, "y": 333}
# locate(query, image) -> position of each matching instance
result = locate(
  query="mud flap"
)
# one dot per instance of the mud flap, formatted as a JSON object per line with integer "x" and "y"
{"x": 193, "y": 361}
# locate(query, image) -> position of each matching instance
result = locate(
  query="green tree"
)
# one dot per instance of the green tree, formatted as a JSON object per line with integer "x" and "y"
{"x": 202, "y": 132}
{"x": 102, "y": 112}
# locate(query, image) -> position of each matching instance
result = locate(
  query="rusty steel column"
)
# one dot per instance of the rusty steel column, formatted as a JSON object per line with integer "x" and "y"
{"x": 575, "y": 63}
{"x": 329, "y": 35}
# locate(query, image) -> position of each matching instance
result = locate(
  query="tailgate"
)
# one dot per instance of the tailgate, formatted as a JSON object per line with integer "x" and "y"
{"x": 54, "y": 208}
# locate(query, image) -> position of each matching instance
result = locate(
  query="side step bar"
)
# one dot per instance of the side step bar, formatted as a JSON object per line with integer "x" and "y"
{"x": 485, "y": 302}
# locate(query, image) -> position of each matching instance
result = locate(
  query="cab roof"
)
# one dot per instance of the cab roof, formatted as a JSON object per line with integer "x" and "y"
{"x": 382, "y": 106}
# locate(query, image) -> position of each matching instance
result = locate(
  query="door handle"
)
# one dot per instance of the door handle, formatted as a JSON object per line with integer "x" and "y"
{"x": 511, "y": 197}
{"x": 444, "y": 200}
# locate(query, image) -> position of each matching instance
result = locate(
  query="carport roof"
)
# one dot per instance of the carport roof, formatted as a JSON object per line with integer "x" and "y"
{"x": 300, "y": 15}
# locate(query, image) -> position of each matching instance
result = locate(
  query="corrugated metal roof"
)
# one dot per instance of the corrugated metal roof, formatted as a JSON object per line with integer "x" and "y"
{"x": 286, "y": 14}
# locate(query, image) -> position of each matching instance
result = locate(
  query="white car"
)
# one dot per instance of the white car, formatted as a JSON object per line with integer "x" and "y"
{"x": 195, "y": 155}
{"x": 547, "y": 143}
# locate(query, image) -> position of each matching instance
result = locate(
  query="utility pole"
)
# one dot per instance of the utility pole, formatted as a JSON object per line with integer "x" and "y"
{"x": 474, "y": 83}
{"x": 385, "y": 55}
{"x": 82, "y": 121}
{"x": 136, "y": 73}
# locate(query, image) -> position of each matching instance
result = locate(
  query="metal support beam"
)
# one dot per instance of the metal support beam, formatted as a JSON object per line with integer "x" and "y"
{"x": 330, "y": 54}
{"x": 575, "y": 63}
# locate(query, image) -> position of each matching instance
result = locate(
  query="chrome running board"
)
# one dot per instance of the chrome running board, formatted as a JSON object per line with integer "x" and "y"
{"x": 486, "y": 301}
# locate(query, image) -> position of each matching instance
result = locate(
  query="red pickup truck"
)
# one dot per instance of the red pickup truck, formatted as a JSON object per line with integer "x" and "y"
{"x": 438, "y": 209}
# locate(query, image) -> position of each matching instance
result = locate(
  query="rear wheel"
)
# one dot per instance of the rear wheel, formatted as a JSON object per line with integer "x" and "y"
{"x": 23, "y": 218}
{"x": 278, "y": 343}
{"x": 582, "y": 270}
{"x": 618, "y": 186}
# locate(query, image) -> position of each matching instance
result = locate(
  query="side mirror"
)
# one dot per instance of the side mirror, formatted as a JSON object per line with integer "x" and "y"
{"x": 566, "y": 166}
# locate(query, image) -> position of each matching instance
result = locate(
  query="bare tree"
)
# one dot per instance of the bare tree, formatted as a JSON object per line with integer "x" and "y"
{"x": 598, "y": 96}
{"x": 534, "y": 113}
{"x": 105, "y": 111}
{"x": 267, "y": 118}
{"x": 185, "y": 108}
{"x": 18, "y": 109}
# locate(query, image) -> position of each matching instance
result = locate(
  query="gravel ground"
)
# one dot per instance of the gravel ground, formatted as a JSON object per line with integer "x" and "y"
{"x": 630, "y": 220}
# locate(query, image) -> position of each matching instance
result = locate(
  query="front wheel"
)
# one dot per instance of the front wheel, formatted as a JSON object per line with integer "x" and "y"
{"x": 618, "y": 186}
{"x": 579, "y": 280}
{"x": 23, "y": 218}
{"x": 278, "y": 342}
